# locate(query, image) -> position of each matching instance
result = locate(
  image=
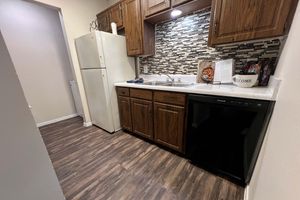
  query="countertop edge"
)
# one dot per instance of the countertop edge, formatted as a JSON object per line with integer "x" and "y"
{"x": 260, "y": 93}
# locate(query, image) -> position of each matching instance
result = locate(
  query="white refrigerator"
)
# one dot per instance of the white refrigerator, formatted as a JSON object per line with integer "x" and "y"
{"x": 103, "y": 61}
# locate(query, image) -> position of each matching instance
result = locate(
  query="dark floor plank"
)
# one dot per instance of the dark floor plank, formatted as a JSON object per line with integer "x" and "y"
{"x": 92, "y": 164}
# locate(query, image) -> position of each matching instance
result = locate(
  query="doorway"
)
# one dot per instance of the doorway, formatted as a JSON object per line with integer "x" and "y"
{"x": 36, "y": 42}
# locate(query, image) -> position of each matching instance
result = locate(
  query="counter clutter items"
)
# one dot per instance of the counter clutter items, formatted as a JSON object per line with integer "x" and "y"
{"x": 216, "y": 72}
{"x": 224, "y": 70}
{"x": 206, "y": 71}
{"x": 245, "y": 81}
{"x": 139, "y": 80}
{"x": 221, "y": 72}
{"x": 263, "y": 69}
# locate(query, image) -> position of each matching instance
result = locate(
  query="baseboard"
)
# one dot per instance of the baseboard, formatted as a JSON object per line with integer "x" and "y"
{"x": 87, "y": 124}
{"x": 56, "y": 120}
{"x": 246, "y": 193}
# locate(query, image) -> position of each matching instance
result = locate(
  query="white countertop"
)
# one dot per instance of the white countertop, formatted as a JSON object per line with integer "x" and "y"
{"x": 262, "y": 93}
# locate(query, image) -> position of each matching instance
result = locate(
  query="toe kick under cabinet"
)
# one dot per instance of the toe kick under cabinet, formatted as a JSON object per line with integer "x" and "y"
{"x": 158, "y": 116}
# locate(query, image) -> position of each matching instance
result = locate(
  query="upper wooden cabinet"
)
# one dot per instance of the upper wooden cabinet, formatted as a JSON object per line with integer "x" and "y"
{"x": 154, "y": 6}
{"x": 139, "y": 17}
{"x": 160, "y": 10}
{"x": 133, "y": 27}
{"x": 103, "y": 21}
{"x": 111, "y": 14}
{"x": 116, "y": 14}
{"x": 236, "y": 20}
{"x": 178, "y": 2}
{"x": 139, "y": 34}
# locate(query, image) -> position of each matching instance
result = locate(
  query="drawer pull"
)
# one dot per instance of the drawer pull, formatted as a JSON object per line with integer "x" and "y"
{"x": 123, "y": 91}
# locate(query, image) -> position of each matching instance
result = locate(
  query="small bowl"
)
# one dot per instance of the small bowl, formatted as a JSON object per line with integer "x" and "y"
{"x": 245, "y": 81}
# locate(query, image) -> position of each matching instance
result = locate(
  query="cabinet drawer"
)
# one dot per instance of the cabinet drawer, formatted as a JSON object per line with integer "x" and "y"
{"x": 141, "y": 94}
{"x": 123, "y": 91}
{"x": 170, "y": 97}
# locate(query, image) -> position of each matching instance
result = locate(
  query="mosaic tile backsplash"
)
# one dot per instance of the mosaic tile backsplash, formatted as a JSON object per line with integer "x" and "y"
{"x": 181, "y": 43}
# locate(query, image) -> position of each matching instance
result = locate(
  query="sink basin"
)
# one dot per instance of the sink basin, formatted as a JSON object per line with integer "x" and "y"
{"x": 155, "y": 83}
{"x": 170, "y": 84}
{"x": 179, "y": 84}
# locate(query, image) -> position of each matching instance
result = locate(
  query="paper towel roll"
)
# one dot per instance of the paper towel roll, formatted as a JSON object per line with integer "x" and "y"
{"x": 114, "y": 28}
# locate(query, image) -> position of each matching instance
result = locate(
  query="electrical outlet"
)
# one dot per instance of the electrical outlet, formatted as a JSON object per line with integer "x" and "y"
{"x": 146, "y": 70}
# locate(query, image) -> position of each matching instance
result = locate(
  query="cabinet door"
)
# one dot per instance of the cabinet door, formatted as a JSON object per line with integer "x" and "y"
{"x": 237, "y": 20}
{"x": 142, "y": 119}
{"x": 116, "y": 15}
{"x": 154, "y": 6}
{"x": 169, "y": 125}
{"x": 103, "y": 21}
{"x": 178, "y": 2}
{"x": 125, "y": 113}
{"x": 133, "y": 27}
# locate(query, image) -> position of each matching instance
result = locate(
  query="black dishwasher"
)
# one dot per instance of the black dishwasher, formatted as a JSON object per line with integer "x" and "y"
{"x": 224, "y": 134}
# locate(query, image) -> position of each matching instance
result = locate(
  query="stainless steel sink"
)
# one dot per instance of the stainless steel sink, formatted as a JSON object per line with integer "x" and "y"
{"x": 170, "y": 84}
{"x": 179, "y": 84}
{"x": 155, "y": 83}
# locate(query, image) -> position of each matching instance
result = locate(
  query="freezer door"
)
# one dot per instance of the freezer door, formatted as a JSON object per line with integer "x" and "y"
{"x": 89, "y": 52}
{"x": 96, "y": 88}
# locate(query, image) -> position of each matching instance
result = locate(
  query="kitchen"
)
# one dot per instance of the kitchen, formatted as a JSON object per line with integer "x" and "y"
{"x": 161, "y": 114}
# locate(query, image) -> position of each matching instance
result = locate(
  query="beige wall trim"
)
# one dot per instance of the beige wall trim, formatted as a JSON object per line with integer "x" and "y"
{"x": 56, "y": 120}
{"x": 246, "y": 193}
{"x": 87, "y": 124}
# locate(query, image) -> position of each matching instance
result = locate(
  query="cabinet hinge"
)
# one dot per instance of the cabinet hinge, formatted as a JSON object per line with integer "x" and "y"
{"x": 215, "y": 28}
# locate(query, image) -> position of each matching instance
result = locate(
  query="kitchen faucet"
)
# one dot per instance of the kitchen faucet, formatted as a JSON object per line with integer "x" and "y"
{"x": 172, "y": 79}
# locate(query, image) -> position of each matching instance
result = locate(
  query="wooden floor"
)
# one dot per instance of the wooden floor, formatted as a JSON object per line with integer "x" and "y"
{"x": 92, "y": 164}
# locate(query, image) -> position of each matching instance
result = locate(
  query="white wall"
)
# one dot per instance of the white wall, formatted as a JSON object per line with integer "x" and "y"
{"x": 277, "y": 174}
{"x": 35, "y": 40}
{"x": 77, "y": 15}
{"x": 111, "y": 2}
{"x": 26, "y": 171}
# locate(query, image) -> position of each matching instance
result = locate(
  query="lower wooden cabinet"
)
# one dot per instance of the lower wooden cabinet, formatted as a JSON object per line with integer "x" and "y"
{"x": 169, "y": 125}
{"x": 125, "y": 112}
{"x": 142, "y": 117}
{"x": 158, "y": 116}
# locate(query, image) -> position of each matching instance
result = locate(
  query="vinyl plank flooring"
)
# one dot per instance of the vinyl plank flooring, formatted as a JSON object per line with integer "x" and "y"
{"x": 92, "y": 164}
